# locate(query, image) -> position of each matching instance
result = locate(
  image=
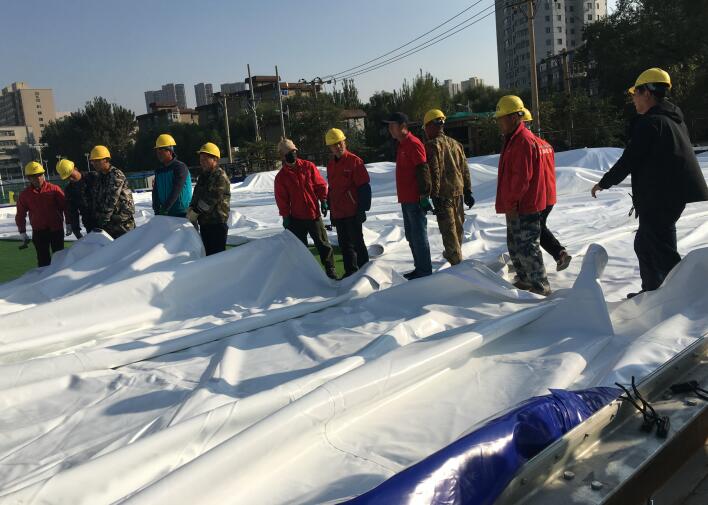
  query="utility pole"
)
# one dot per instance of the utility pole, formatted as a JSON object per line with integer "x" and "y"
{"x": 39, "y": 147}
{"x": 566, "y": 86}
{"x": 534, "y": 78}
{"x": 253, "y": 104}
{"x": 226, "y": 125}
{"x": 280, "y": 101}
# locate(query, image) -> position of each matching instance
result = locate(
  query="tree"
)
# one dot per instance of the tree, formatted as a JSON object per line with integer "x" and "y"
{"x": 642, "y": 34}
{"x": 188, "y": 137}
{"x": 99, "y": 122}
{"x": 348, "y": 98}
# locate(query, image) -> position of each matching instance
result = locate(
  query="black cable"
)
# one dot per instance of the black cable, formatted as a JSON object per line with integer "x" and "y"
{"x": 419, "y": 48}
{"x": 407, "y": 43}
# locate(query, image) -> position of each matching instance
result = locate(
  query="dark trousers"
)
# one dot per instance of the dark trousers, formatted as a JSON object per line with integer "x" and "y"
{"x": 214, "y": 237}
{"x": 549, "y": 242}
{"x": 655, "y": 245}
{"x": 351, "y": 242}
{"x": 415, "y": 226}
{"x": 43, "y": 240}
{"x": 315, "y": 228}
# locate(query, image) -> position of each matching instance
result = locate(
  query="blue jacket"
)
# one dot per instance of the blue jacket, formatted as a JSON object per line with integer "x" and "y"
{"x": 173, "y": 189}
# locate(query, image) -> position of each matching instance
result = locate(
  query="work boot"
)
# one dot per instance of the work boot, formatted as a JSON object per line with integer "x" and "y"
{"x": 522, "y": 285}
{"x": 332, "y": 274}
{"x": 411, "y": 275}
{"x": 545, "y": 291}
{"x": 563, "y": 261}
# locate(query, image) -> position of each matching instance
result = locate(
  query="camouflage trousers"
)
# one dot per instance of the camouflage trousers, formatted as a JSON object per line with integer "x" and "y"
{"x": 523, "y": 237}
{"x": 119, "y": 225}
{"x": 451, "y": 216}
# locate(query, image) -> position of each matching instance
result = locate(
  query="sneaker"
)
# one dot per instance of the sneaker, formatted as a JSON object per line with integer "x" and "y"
{"x": 546, "y": 291}
{"x": 632, "y": 295}
{"x": 563, "y": 261}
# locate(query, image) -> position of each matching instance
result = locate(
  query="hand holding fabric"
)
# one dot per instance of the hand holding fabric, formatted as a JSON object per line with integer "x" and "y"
{"x": 324, "y": 207}
{"x": 286, "y": 222}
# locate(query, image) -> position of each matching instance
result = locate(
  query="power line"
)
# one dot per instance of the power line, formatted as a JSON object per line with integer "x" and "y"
{"x": 407, "y": 43}
{"x": 424, "y": 45}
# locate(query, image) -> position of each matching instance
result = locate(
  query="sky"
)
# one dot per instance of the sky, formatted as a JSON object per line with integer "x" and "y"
{"x": 119, "y": 49}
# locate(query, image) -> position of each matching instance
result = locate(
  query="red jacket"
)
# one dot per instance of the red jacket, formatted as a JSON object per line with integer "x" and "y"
{"x": 46, "y": 207}
{"x": 344, "y": 176}
{"x": 548, "y": 164}
{"x": 521, "y": 182}
{"x": 410, "y": 154}
{"x": 298, "y": 190}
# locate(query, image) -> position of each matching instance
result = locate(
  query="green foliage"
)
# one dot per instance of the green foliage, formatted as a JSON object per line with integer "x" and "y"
{"x": 485, "y": 98}
{"x": 99, "y": 122}
{"x": 348, "y": 97}
{"x": 188, "y": 137}
{"x": 580, "y": 121}
{"x": 642, "y": 34}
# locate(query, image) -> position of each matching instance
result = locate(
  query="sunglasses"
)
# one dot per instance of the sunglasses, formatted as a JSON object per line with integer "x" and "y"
{"x": 438, "y": 122}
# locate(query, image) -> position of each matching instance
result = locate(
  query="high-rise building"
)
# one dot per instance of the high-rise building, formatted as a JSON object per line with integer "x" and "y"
{"x": 558, "y": 25}
{"x": 14, "y": 150}
{"x": 21, "y": 105}
{"x": 233, "y": 87}
{"x": 204, "y": 93}
{"x": 170, "y": 93}
{"x": 470, "y": 83}
{"x": 452, "y": 88}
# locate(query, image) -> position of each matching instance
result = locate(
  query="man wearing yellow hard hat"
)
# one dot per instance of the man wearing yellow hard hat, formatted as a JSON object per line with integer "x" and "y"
{"x": 79, "y": 195}
{"x": 172, "y": 190}
{"x": 45, "y": 204}
{"x": 113, "y": 204}
{"x": 450, "y": 183}
{"x": 522, "y": 194}
{"x": 349, "y": 198}
{"x": 665, "y": 176}
{"x": 209, "y": 208}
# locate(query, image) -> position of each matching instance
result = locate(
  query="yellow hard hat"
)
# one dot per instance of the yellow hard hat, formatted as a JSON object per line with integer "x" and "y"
{"x": 64, "y": 168}
{"x": 210, "y": 148}
{"x": 33, "y": 168}
{"x": 527, "y": 115}
{"x": 165, "y": 140}
{"x": 334, "y": 136}
{"x": 652, "y": 76}
{"x": 432, "y": 115}
{"x": 509, "y": 104}
{"x": 100, "y": 152}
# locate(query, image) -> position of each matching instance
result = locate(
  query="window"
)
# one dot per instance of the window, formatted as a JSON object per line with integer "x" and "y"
{"x": 558, "y": 6}
{"x": 559, "y": 29}
{"x": 589, "y": 5}
{"x": 572, "y": 19}
{"x": 589, "y": 17}
{"x": 7, "y": 133}
{"x": 548, "y": 42}
{"x": 548, "y": 18}
{"x": 572, "y": 43}
{"x": 548, "y": 29}
{"x": 598, "y": 5}
{"x": 39, "y": 106}
{"x": 8, "y": 143}
{"x": 38, "y": 100}
{"x": 572, "y": 31}
{"x": 559, "y": 17}
{"x": 560, "y": 41}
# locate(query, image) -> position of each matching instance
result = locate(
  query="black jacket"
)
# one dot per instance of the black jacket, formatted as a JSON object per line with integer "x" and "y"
{"x": 660, "y": 158}
{"x": 79, "y": 199}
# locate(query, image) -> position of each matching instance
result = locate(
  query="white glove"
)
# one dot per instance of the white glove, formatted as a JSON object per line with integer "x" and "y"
{"x": 69, "y": 230}
{"x": 192, "y": 216}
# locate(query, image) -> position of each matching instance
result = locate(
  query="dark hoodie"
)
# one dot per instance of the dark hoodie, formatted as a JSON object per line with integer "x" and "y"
{"x": 660, "y": 158}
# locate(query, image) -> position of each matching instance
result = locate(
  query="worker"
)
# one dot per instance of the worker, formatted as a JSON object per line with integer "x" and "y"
{"x": 549, "y": 242}
{"x": 665, "y": 175}
{"x": 413, "y": 190}
{"x": 113, "y": 205}
{"x": 521, "y": 195}
{"x": 301, "y": 194}
{"x": 79, "y": 194}
{"x": 172, "y": 189}
{"x": 46, "y": 206}
{"x": 349, "y": 198}
{"x": 209, "y": 208}
{"x": 451, "y": 186}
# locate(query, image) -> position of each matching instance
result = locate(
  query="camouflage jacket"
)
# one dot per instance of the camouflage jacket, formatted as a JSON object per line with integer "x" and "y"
{"x": 113, "y": 202}
{"x": 449, "y": 173}
{"x": 211, "y": 197}
{"x": 79, "y": 201}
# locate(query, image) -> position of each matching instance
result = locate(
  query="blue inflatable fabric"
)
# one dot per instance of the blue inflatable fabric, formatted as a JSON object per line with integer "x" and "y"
{"x": 476, "y": 468}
